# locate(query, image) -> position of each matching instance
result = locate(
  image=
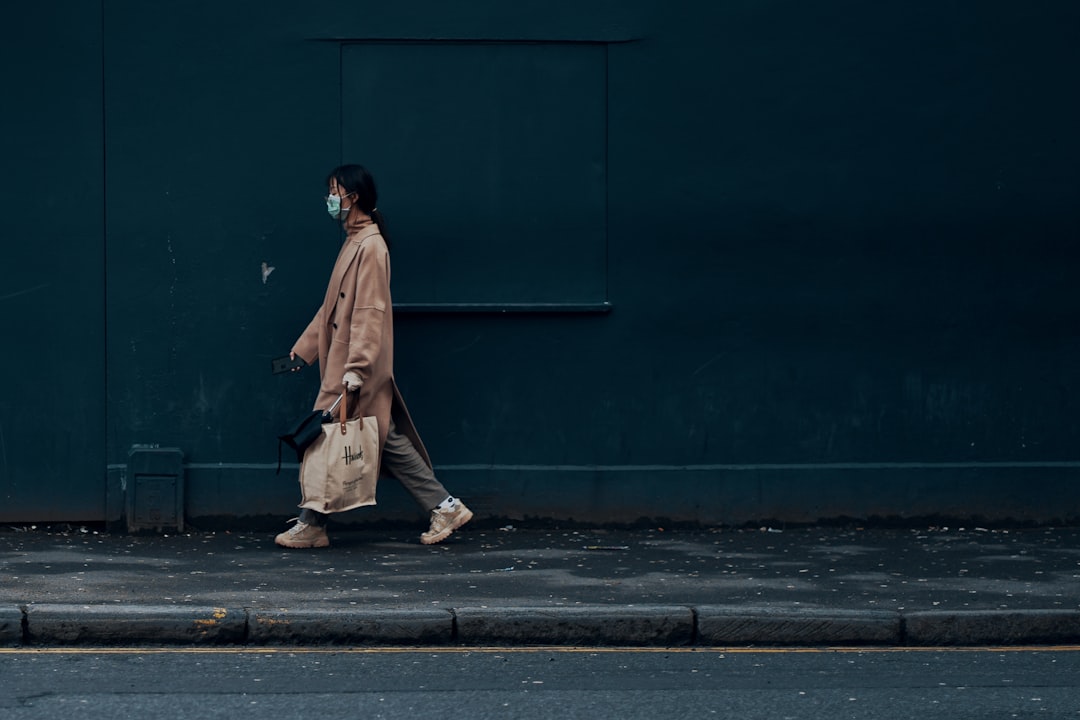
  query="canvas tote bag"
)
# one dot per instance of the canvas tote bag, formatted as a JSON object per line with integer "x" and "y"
{"x": 340, "y": 469}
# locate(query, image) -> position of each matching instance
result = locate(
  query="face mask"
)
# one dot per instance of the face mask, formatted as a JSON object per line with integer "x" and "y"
{"x": 333, "y": 206}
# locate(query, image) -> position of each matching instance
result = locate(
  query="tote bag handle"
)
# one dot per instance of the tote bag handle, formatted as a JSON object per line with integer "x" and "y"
{"x": 344, "y": 415}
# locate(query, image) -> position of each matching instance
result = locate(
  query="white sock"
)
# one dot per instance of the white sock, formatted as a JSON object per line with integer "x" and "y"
{"x": 448, "y": 504}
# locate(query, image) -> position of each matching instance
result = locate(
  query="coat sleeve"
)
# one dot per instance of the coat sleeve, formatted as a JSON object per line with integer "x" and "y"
{"x": 369, "y": 309}
{"x": 307, "y": 346}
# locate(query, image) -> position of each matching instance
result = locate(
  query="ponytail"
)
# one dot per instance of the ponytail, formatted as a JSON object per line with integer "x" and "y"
{"x": 380, "y": 222}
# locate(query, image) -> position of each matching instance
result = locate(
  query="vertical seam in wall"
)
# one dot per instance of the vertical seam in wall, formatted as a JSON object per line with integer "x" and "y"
{"x": 341, "y": 103}
{"x": 104, "y": 260}
{"x": 607, "y": 173}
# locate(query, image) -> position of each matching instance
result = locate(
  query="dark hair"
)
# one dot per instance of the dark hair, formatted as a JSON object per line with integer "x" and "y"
{"x": 356, "y": 179}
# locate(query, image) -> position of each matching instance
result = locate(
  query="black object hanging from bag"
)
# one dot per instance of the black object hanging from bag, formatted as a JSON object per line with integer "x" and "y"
{"x": 306, "y": 431}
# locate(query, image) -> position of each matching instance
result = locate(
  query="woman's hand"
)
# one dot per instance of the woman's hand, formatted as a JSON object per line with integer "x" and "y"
{"x": 292, "y": 356}
{"x": 352, "y": 381}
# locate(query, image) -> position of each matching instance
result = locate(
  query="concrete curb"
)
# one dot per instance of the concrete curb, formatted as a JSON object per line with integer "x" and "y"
{"x": 588, "y": 625}
{"x": 1002, "y": 627}
{"x": 49, "y": 624}
{"x": 11, "y": 625}
{"x": 352, "y": 627}
{"x": 645, "y": 625}
{"x": 733, "y": 625}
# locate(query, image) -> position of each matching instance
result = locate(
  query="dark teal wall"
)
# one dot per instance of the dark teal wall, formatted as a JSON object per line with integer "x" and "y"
{"x": 812, "y": 260}
{"x": 52, "y": 305}
{"x": 875, "y": 221}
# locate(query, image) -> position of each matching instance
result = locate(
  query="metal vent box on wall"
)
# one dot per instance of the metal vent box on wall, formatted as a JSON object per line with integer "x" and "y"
{"x": 155, "y": 489}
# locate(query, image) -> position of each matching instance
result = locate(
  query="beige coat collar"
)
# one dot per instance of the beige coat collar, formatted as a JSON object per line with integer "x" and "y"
{"x": 349, "y": 250}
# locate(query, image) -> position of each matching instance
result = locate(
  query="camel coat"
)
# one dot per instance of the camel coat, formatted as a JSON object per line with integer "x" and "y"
{"x": 354, "y": 330}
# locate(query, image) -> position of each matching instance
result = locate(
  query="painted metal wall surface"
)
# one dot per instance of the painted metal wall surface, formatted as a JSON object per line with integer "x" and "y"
{"x": 704, "y": 261}
{"x": 507, "y": 147}
{"x": 52, "y": 307}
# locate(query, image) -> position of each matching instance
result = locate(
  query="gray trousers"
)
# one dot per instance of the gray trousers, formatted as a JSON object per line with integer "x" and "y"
{"x": 401, "y": 459}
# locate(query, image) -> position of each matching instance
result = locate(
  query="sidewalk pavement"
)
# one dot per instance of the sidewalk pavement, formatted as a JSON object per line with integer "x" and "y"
{"x": 822, "y": 586}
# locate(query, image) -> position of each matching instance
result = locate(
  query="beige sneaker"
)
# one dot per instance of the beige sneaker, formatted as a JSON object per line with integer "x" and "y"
{"x": 444, "y": 522}
{"x": 302, "y": 535}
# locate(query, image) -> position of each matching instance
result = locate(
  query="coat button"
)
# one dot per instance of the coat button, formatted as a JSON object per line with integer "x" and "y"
{"x": 335, "y": 326}
{"x": 342, "y": 294}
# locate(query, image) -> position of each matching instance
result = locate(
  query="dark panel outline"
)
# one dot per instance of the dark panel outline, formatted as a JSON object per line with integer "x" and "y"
{"x": 488, "y": 308}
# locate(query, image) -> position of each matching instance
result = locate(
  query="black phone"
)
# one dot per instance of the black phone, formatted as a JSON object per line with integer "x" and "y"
{"x": 284, "y": 364}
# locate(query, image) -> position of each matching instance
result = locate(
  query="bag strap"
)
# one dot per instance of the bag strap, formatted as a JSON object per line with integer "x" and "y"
{"x": 344, "y": 415}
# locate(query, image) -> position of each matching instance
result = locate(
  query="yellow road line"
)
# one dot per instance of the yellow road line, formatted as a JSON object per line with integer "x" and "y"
{"x": 518, "y": 650}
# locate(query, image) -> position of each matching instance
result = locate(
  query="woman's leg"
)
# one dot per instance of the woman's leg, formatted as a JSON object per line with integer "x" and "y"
{"x": 402, "y": 460}
{"x": 313, "y": 517}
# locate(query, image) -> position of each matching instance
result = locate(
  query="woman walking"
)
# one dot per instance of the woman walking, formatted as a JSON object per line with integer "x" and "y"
{"x": 352, "y": 337}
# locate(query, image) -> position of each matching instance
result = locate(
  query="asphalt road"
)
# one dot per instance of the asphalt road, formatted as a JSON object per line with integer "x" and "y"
{"x": 541, "y": 683}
